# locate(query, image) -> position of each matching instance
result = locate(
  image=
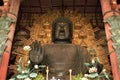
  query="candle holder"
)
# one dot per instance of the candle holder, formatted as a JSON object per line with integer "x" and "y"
{"x": 47, "y": 72}
{"x": 70, "y": 71}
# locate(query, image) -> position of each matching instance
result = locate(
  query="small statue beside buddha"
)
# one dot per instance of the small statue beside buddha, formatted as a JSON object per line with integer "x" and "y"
{"x": 61, "y": 55}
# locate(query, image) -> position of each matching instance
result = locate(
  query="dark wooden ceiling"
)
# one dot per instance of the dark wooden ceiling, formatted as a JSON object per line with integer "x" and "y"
{"x": 41, "y": 6}
{"x": 30, "y": 7}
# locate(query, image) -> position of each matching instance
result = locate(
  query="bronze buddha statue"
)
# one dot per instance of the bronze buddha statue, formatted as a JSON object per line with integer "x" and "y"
{"x": 62, "y": 55}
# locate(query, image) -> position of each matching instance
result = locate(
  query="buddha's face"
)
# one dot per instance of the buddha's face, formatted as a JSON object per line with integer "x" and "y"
{"x": 62, "y": 30}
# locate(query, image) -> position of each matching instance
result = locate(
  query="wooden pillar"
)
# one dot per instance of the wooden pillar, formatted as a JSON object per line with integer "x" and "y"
{"x": 12, "y": 13}
{"x": 106, "y": 10}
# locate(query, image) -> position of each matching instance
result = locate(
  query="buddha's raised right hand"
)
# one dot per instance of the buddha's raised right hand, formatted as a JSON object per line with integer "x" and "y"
{"x": 35, "y": 53}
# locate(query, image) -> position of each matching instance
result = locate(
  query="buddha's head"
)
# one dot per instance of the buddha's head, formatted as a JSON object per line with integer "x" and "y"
{"x": 62, "y": 30}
